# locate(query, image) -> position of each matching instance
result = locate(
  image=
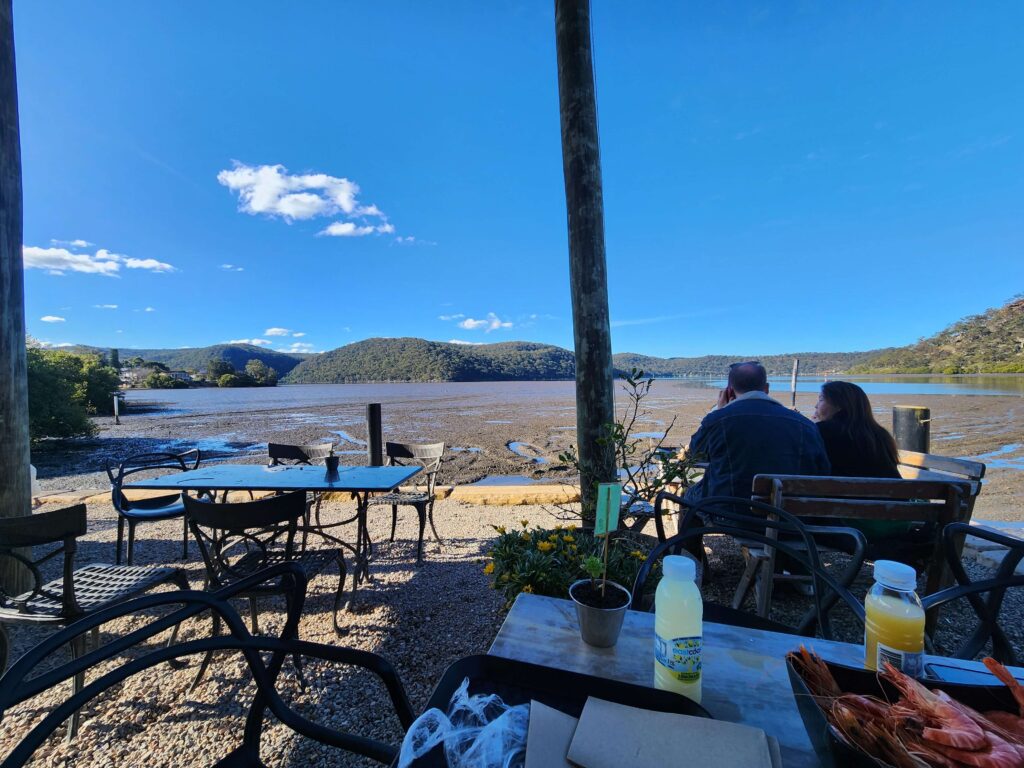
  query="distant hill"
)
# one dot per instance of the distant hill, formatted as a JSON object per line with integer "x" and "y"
{"x": 717, "y": 365}
{"x": 992, "y": 342}
{"x": 196, "y": 358}
{"x": 410, "y": 359}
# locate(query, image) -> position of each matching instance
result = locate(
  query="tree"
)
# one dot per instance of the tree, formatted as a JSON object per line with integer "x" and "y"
{"x": 135, "y": 362}
{"x": 235, "y": 380}
{"x": 159, "y": 380}
{"x": 216, "y": 368}
{"x": 56, "y": 395}
{"x": 101, "y": 382}
{"x": 115, "y": 359}
{"x": 261, "y": 373}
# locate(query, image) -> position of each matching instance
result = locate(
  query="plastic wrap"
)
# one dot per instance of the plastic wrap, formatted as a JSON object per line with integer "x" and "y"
{"x": 478, "y": 732}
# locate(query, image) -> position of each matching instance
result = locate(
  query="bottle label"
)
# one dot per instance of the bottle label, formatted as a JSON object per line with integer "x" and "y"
{"x": 907, "y": 662}
{"x": 680, "y": 656}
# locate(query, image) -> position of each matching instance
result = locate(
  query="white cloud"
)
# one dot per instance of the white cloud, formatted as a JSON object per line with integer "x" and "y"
{"x": 298, "y": 334}
{"x": 276, "y": 332}
{"x": 297, "y": 346}
{"x": 57, "y": 261}
{"x": 491, "y": 323}
{"x": 57, "y": 345}
{"x": 270, "y": 190}
{"x": 149, "y": 309}
{"x": 446, "y": 318}
{"x": 52, "y": 319}
{"x": 72, "y": 243}
{"x": 465, "y": 343}
{"x": 254, "y": 342}
{"x": 232, "y": 268}
{"x": 104, "y": 306}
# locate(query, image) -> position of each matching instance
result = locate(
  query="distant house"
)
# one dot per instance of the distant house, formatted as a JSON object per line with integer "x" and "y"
{"x": 180, "y": 375}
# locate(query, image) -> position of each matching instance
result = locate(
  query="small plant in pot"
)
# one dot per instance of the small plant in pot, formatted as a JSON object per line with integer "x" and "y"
{"x": 600, "y": 604}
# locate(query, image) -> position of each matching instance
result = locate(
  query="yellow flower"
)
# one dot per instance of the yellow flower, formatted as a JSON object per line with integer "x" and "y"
{"x": 638, "y": 554}
{"x": 489, "y": 569}
{"x": 528, "y": 589}
{"x": 503, "y": 577}
{"x": 524, "y": 523}
{"x": 545, "y": 546}
{"x": 559, "y": 527}
{"x": 568, "y": 539}
{"x": 500, "y": 529}
{"x": 573, "y": 527}
{"x": 553, "y": 537}
{"x": 525, "y": 536}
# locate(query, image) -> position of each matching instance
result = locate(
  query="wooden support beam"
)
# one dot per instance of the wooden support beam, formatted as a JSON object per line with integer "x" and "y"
{"x": 16, "y": 486}
{"x": 581, "y": 164}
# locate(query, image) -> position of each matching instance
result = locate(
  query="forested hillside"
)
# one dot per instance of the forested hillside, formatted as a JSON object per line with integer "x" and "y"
{"x": 196, "y": 358}
{"x": 718, "y": 365}
{"x": 992, "y": 342}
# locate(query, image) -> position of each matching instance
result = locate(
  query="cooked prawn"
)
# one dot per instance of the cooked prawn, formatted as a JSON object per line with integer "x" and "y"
{"x": 942, "y": 723}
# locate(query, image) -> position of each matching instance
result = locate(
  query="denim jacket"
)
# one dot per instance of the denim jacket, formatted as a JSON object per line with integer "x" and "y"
{"x": 751, "y": 436}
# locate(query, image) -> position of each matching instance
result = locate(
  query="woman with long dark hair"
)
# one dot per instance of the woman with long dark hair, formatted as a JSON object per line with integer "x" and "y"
{"x": 857, "y": 445}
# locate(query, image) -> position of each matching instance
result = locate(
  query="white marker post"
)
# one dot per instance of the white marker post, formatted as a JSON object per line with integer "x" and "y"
{"x": 117, "y": 408}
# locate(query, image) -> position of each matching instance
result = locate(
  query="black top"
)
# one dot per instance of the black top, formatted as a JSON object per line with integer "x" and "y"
{"x": 854, "y": 458}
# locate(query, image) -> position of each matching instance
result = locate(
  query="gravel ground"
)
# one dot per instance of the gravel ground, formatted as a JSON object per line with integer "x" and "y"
{"x": 421, "y": 618}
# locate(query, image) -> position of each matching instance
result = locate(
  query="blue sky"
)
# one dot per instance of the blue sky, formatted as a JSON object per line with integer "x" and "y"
{"x": 778, "y": 176}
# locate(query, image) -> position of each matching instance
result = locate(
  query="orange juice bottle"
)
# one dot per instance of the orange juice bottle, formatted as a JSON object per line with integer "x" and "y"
{"x": 894, "y": 621}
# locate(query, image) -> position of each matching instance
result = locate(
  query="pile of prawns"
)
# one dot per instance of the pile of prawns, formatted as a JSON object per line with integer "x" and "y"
{"x": 923, "y": 728}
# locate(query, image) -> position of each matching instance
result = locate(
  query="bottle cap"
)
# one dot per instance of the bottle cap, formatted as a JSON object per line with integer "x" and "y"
{"x": 895, "y": 575}
{"x": 679, "y": 567}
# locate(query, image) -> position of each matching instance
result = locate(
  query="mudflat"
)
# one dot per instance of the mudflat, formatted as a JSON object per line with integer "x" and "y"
{"x": 491, "y": 429}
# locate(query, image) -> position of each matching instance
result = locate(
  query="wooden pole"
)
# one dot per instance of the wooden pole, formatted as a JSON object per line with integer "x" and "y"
{"x": 792, "y": 382}
{"x": 911, "y": 427}
{"x": 16, "y": 486}
{"x": 374, "y": 436}
{"x": 588, "y": 278}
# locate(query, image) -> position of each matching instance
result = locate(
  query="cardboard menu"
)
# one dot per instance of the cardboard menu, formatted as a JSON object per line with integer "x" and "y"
{"x": 616, "y": 736}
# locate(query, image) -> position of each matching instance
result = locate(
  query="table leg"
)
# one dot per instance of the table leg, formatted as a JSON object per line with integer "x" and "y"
{"x": 364, "y": 547}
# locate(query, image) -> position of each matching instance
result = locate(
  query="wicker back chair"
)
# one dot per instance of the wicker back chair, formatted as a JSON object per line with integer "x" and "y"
{"x": 428, "y": 456}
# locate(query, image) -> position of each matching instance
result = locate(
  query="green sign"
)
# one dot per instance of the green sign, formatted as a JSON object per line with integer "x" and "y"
{"x": 609, "y": 497}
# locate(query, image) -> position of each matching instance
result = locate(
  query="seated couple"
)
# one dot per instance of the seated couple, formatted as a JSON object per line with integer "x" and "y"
{"x": 748, "y": 433}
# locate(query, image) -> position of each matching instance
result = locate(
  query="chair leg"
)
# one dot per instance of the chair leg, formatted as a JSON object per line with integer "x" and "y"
{"x": 209, "y": 655}
{"x": 131, "y": 542}
{"x": 749, "y": 570}
{"x": 254, "y": 616}
{"x": 421, "y": 511}
{"x": 120, "y": 538}
{"x": 430, "y": 517}
{"x": 184, "y": 538}
{"x": 78, "y": 648}
{"x": 394, "y": 520}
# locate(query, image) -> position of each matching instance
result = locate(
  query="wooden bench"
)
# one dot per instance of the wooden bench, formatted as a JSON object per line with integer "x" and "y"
{"x": 928, "y": 466}
{"x": 866, "y": 499}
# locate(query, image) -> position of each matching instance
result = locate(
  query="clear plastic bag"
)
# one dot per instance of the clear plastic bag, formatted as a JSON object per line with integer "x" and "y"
{"x": 478, "y": 732}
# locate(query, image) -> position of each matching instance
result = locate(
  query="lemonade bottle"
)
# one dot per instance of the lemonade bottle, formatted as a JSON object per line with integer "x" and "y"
{"x": 678, "y": 633}
{"x": 894, "y": 621}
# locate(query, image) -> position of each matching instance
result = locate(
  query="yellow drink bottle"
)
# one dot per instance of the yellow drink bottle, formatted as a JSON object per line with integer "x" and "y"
{"x": 678, "y": 628}
{"x": 894, "y": 620}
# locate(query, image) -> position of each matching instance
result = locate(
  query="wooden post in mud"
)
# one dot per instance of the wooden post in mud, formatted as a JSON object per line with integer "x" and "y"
{"x": 374, "y": 436}
{"x": 792, "y": 381}
{"x": 911, "y": 426}
{"x": 16, "y": 486}
{"x": 588, "y": 274}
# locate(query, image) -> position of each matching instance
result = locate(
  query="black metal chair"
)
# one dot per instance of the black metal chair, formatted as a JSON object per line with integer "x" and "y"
{"x": 282, "y": 453}
{"x": 985, "y": 596}
{"x": 239, "y": 539}
{"x": 153, "y": 509}
{"x": 428, "y": 456}
{"x": 746, "y": 520}
{"x": 23, "y": 681}
{"x": 78, "y": 592}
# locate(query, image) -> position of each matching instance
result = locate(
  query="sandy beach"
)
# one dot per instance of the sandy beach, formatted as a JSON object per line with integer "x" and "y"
{"x": 498, "y": 429}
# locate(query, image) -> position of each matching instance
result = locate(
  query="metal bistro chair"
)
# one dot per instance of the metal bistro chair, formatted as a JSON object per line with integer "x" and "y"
{"x": 428, "y": 456}
{"x": 78, "y": 592}
{"x": 985, "y": 596}
{"x": 282, "y": 453}
{"x": 237, "y": 539}
{"x": 264, "y": 657}
{"x": 746, "y": 520}
{"x": 138, "y": 511}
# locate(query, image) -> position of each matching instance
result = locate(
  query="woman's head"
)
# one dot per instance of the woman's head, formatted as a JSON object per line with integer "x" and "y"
{"x": 842, "y": 397}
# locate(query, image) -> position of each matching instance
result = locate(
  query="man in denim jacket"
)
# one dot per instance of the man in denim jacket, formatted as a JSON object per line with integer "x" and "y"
{"x": 748, "y": 433}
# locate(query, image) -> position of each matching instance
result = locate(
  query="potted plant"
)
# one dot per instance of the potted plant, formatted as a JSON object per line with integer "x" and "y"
{"x": 332, "y": 461}
{"x": 600, "y": 605}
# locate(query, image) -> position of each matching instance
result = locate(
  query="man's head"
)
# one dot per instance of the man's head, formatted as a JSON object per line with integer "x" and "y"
{"x": 748, "y": 377}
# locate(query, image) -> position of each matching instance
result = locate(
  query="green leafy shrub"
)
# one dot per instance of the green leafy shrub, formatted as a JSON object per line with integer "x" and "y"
{"x": 235, "y": 380}
{"x": 546, "y": 561}
{"x": 63, "y": 389}
{"x": 158, "y": 380}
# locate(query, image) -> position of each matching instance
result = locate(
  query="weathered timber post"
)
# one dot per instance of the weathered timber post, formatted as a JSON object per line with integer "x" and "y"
{"x": 117, "y": 408}
{"x": 588, "y": 274}
{"x": 912, "y": 427}
{"x": 374, "y": 436}
{"x": 792, "y": 381}
{"x": 16, "y": 485}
